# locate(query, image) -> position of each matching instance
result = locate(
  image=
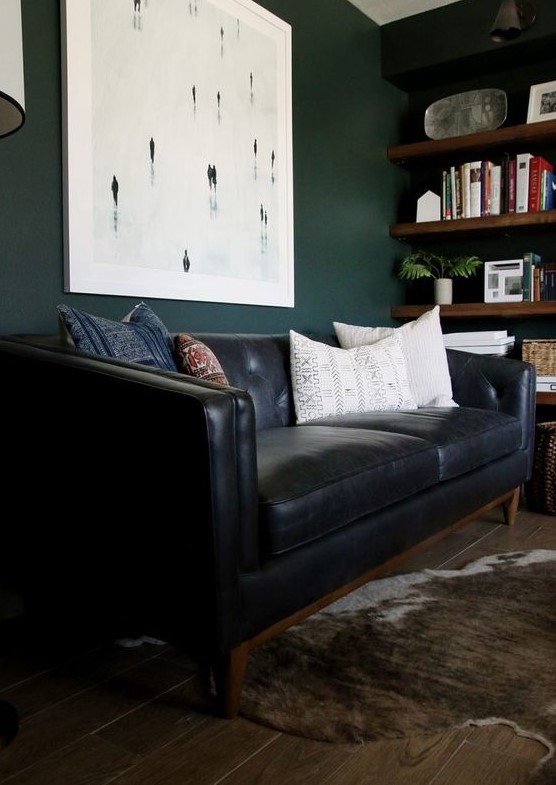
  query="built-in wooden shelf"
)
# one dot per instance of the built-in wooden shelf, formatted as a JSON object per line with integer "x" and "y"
{"x": 506, "y": 224}
{"x": 478, "y": 310}
{"x": 529, "y": 137}
{"x": 458, "y": 149}
{"x": 522, "y": 138}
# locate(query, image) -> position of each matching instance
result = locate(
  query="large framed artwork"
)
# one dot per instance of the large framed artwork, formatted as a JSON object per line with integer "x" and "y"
{"x": 178, "y": 173}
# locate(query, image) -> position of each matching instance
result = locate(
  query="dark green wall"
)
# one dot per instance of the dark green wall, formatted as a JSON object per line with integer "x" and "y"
{"x": 345, "y": 191}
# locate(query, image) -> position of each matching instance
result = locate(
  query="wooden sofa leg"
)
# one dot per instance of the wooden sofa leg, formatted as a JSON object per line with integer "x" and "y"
{"x": 229, "y": 679}
{"x": 511, "y": 506}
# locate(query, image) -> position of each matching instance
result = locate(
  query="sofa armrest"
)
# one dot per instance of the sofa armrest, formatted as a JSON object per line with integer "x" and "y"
{"x": 155, "y": 471}
{"x": 498, "y": 383}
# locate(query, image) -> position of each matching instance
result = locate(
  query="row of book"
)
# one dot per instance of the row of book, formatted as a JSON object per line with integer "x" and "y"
{"x": 539, "y": 278}
{"x": 520, "y": 183}
{"x": 493, "y": 342}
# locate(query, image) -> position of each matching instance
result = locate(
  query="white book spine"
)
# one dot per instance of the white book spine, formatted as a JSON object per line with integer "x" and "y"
{"x": 522, "y": 181}
{"x": 495, "y": 189}
{"x": 475, "y": 189}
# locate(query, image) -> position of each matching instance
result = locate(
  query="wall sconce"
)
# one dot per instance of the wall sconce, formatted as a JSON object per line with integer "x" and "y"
{"x": 12, "y": 91}
{"x": 514, "y": 16}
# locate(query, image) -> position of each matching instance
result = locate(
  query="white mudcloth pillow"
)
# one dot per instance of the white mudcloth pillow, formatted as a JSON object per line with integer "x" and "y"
{"x": 328, "y": 380}
{"x": 424, "y": 351}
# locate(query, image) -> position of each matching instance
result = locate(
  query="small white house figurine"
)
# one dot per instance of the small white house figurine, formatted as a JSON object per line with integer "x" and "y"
{"x": 428, "y": 207}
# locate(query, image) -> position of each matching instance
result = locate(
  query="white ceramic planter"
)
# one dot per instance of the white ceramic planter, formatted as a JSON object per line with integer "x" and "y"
{"x": 443, "y": 291}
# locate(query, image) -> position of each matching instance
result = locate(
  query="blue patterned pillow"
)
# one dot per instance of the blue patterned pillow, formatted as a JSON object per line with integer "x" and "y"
{"x": 140, "y": 338}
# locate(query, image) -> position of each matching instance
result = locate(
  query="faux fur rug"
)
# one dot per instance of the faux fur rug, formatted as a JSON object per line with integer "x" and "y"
{"x": 420, "y": 653}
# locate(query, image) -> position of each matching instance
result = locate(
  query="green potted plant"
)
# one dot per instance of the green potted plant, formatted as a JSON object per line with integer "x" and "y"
{"x": 425, "y": 264}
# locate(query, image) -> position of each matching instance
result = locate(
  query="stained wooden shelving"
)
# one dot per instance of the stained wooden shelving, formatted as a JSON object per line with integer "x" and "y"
{"x": 506, "y": 224}
{"x": 528, "y": 136}
{"x": 479, "y": 310}
{"x": 457, "y": 149}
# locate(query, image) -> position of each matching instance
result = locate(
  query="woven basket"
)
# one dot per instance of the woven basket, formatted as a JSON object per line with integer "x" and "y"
{"x": 540, "y": 491}
{"x": 541, "y": 353}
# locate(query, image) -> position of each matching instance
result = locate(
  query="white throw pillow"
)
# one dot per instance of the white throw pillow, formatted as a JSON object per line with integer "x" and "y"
{"x": 424, "y": 351}
{"x": 327, "y": 380}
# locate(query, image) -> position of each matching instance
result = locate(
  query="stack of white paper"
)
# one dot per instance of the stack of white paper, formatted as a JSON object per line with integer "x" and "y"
{"x": 546, "y": 384}
{"x": 481, "y": 342}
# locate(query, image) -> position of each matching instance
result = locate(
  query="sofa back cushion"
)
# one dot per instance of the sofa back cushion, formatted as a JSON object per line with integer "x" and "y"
{"x": 259, "y": 364}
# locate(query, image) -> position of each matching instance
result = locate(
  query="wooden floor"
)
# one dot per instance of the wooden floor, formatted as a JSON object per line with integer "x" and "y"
{"x": 126, "y": 716}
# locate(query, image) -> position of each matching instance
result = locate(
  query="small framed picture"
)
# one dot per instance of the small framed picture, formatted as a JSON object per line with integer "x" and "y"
{"x": 542, "y": 102}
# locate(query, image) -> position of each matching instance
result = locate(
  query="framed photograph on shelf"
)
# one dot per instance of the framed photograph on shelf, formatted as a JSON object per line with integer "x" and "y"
{"x": 178, "y": 151}
{"x": 542, "y": 102}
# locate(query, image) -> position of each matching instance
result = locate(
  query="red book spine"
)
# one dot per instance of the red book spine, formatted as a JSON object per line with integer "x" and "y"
{"x": 537, "y": 165}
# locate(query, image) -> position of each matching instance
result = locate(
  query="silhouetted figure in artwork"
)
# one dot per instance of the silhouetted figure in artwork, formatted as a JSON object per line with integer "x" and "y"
{"x": 214, "y": 176}
{"x": 272, "y": 157}
{"x": 151, "y": 149}
{"x": 186, "y": 262}
{"x": 218, "y": 98}
{"x": 262, "y": 213}
{"x": 255, "y": 147}
{"x": 209, "y": 175}
{"x": 115, "y": 188}
{"x": 194, "y": 92}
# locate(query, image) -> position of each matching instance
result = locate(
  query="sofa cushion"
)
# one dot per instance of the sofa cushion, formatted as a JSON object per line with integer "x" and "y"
{"x": 195, "y": 358}
{"x": 424, "y": 351}
{"x": 141, "y": 337}
{"x": 465, "y": 438}
{"x": 327, "y": 380}
{"x": 307, "y": 474}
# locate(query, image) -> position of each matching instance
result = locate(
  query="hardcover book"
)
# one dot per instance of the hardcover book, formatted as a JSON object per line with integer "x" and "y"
{"x": 537, "y": 165}
{"x": 522, "y": 182}
{"x": 474, "y": 337}
{"x": 475, "y": 189}
{"x": 530, "y": 260}
{"x": 496, "y": 189}
{"x": 511, "y": 185}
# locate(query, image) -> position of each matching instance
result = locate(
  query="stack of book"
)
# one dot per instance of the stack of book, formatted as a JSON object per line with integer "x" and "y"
{"x": 539, "y": 278}
{"x": 546, "y": 384}
{"x": 521, "y": 183}
{"x": 494, "y": 342}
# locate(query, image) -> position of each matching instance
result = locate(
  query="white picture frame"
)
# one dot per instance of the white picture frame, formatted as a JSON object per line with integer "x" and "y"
{"x": 503, "y": 282}
{"x": 178, "y": 166}
{"x": 542, "y": 102}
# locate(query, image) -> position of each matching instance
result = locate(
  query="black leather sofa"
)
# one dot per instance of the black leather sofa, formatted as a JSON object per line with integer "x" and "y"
{"x": 208, "y": 511}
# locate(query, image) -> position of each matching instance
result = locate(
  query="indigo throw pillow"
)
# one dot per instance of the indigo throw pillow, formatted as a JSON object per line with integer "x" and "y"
{"x": 142, "y": 338}
{"x": 196, "y": 359}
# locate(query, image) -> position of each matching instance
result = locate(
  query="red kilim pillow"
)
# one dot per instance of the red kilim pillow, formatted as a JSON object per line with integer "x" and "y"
{"x": 196, "y": 359}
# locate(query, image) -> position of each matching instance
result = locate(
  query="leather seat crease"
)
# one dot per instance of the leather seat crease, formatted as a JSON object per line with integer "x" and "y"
{"x": 465, "y": 438}
{"x": 316, "y": 480}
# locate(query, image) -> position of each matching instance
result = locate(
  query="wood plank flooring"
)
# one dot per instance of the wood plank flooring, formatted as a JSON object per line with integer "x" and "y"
{"x": 104, "y": 714}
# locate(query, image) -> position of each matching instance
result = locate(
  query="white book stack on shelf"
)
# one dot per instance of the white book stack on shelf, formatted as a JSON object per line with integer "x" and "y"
{"x": 494, "y": 342}
{"x": 546, "y": 384}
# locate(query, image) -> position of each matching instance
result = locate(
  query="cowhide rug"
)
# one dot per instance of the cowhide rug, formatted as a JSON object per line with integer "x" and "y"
{"x": 420, "y": 653}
